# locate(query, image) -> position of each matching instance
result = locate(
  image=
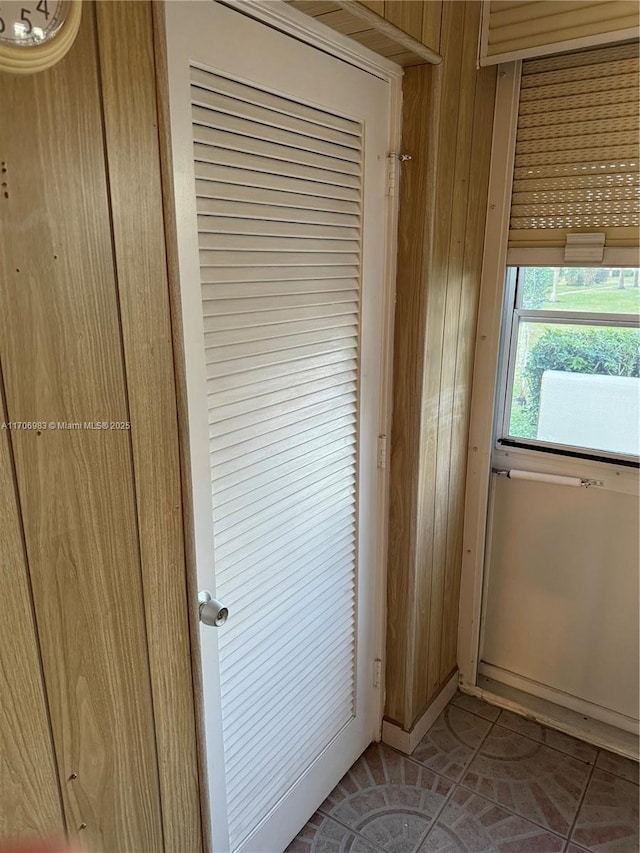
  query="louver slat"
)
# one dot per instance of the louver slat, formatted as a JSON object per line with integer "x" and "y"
{"x": 228, "y": 275}
{"x": 279, "y": 195}
{"x": 244, "y": 501}
{"x": 263, "y": 179}
{"x": 282, "y": 405}
{"x": 279, "y": 360}
{"x": 220, "y": 225}
{"x": 258, "y": 436}
{"x": 235, "y": 159}
{"x": 320, "y": 326}
{"x": 273, "y": 205}
{"x": 278, "y": 763}
{"x": 296, "y": 553}
{"x": 251, "y": 645}
{"x": 205, "y": 103}
{"x": 255, "y": 258}
{"x": 234, "y": 90}
{"x": 232, "y": 386}
{"x": 274, "y": 544}
{"x": 260, "y": 132}
{"x": 275, "y": 754}
{"x": 277, "y": 151}
{"x": 336, "y": 425}
{"x": 254, "y": 394}
{"x": 280, "y": 500}
{"x": 577, "y": 149}
{"x": 273, "y": 243}
{"x": 285, "y": 461}
{"x": 269, "y": 706}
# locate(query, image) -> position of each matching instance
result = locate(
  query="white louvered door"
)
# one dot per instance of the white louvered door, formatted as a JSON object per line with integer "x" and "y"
{"x": 279, "y": 167}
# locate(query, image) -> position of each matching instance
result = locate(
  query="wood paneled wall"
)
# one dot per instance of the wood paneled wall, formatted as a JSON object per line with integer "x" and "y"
{"x": 447, "y": 123}
{"x": 30, "y": 802}
{"x": 406, "y": 31}
{"x": 418, "y": 19}
{"x": 100, "y": 588}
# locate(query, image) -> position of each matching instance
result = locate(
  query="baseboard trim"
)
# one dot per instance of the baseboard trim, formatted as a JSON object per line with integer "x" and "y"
{"x": 562, "y": 719}
{"x": 395, "y": 736}
{"x": 559, "y": 698}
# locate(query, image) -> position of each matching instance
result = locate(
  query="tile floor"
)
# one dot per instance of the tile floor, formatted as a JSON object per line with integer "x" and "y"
{"x": 482, "y": 781}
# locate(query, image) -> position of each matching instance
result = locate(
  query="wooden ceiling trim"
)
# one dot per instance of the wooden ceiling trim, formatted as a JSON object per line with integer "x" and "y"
{"x": 359, "y": 22}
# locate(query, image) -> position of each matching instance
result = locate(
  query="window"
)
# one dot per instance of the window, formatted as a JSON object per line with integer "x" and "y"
{"x": 572, "y": 358}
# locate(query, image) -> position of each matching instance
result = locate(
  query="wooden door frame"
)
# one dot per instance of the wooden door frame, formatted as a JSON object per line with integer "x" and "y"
{"x": 304, "y": 28}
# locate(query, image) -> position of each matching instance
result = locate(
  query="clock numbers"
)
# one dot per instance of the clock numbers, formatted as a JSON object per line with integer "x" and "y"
{"x": 31, "y": 22}
{"x": 30, "y": 33}
{"x": 24, "y": 16}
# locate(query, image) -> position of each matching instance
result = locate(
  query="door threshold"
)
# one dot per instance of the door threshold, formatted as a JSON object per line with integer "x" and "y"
{"x": 556, "y": 717}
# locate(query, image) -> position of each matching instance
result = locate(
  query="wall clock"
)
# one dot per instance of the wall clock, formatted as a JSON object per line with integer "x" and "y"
{"x": 35, "y": 34}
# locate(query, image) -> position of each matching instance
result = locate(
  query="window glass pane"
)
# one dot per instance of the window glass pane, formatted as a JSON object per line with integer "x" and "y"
{"x": 592, "y": 289}
{"x": 577, "y": 385}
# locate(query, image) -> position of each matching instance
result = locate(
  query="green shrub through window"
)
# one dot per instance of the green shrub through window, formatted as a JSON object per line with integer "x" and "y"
{"x": 574, "y": 366}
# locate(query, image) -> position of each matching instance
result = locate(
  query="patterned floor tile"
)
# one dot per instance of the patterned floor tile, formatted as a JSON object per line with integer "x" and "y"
{"x": 476, "y": 706}
{"x": 618, "y": 765}
{"x": 389, "y": 799}
{"x": 539, "y": 783}
{"x": 471, "y": 824}
{"x": 323, "y": 835}
{"x": 550, "y": 737}
{"x": 573, "y": 848}
{"x": 449, "y": 744}
{"x": 608, "y": 818}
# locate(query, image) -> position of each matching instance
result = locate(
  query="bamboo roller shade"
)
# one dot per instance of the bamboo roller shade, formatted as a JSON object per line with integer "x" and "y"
{"x": 576, "y": 163}
{"x": 519, "y": 30}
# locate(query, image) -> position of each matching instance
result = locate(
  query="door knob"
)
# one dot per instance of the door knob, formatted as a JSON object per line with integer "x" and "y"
{"x": 212, "y": 612}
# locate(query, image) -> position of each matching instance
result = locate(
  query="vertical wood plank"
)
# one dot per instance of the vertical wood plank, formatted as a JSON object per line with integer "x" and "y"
{"x": 431, "y": 20}
{"x": 376, "y": 6}
{"x": 125, "y": 38}
{"x": 61, "y": 352}
{"x": 445, "y": 463}
{"x": 414, "y": 227}
{"x": 474, "y": 245}
{"x": 431, "y": 571}
{"x": 406, "y": 15}
{"x": 30, "y": 802}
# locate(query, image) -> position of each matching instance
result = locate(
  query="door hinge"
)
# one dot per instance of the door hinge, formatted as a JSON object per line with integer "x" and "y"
{"x": 393, "y": 168}
{"x": 377, "y": 672}
{"x": 382, "y": 451}
{"x": 393, "y": 172}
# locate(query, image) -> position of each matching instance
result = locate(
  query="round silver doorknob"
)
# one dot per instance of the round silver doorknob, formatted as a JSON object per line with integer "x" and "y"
{"x": 212, "y": 612}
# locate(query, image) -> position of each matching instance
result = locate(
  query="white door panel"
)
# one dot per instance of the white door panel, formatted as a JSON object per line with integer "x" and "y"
{"x": 279, "y": 168}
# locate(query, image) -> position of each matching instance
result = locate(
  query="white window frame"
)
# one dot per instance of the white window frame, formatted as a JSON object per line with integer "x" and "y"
{"x": 483, "y": 453}
{"x": 513, "y": 315}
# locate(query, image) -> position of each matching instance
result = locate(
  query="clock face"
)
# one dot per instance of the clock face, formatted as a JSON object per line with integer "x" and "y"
{"x": 26, "y": 23}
